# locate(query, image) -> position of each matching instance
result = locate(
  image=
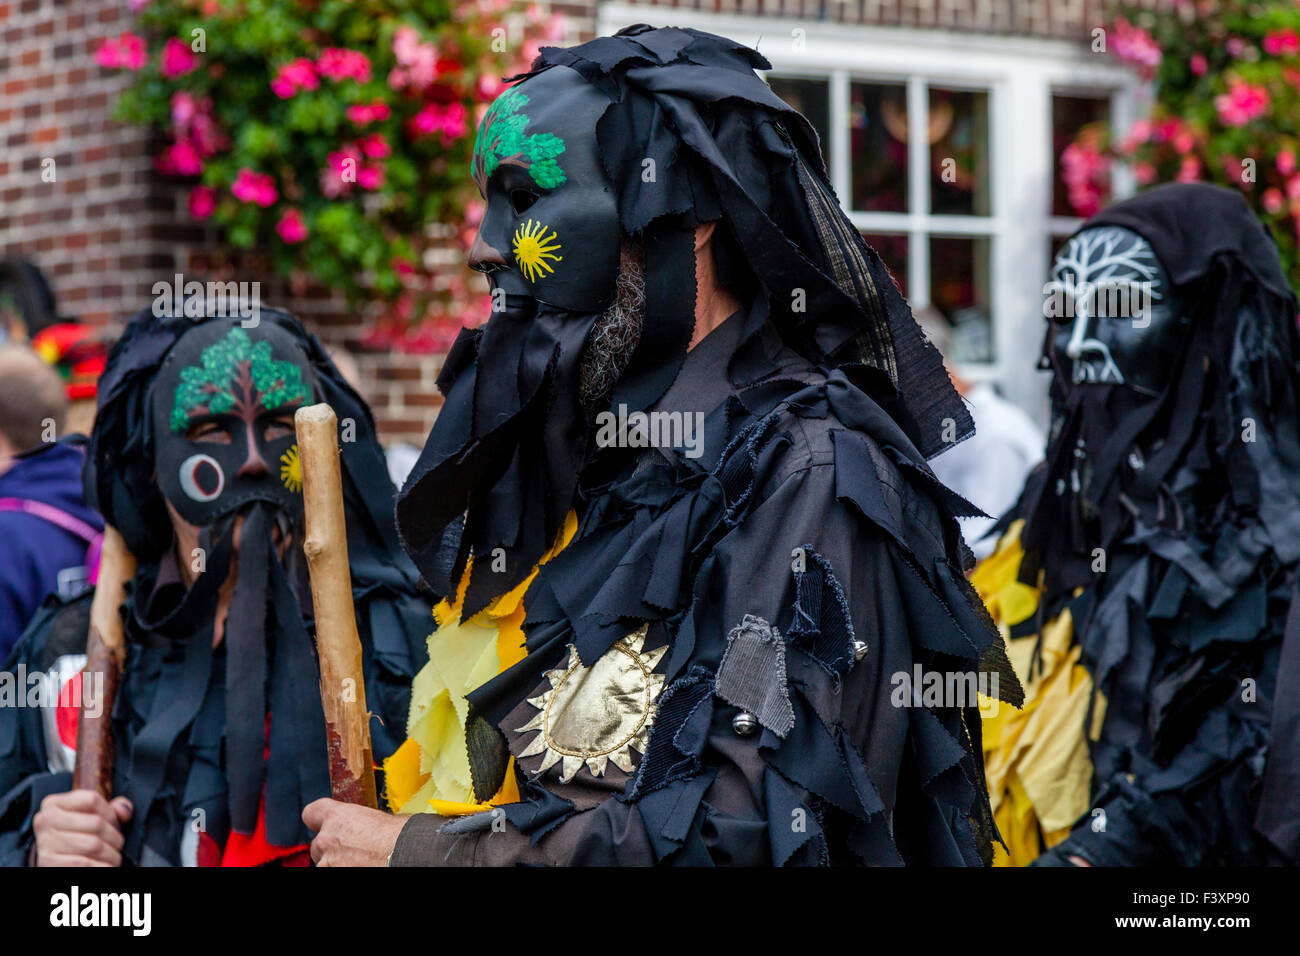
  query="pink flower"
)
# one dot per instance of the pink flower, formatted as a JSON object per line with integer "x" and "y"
{"x": 203, "y": 201}
{"x": 180, "y": 159}
{"x": 1086, "y": 172}
{"x": 299, "y": 74}
{"x": 1286, "y": 162}
{"x": 177, "y": 58}
{"x": 1144, "y": 173}
{"x": 291, "y": 227}
{"x": 370, "y": 177}
{"x": 254, "y": 187}
{"x": 1198, "y": 64}
{"x": 184, "y": 108}
{"x": 1184, "y": 142}
{"x": 1189, "y": 171}
{"x": 205, "y": 135}
{"x": 363, "y": 113}
{"x": 1138, "y": 134}
{"x": 375, "y": 147}
{"x": 1293, "y": 188}
{"x": 1134, "y": 45}
{"x": 1236, "y": 46}
{"x": 339, "y": 63}
{"x": 489, "y": 85}
{"x": 417, "y": 63}
{"x": 340, "y": 173}
{"x": 1273, "y": 201}
{"x": 1281, "y": 42}
{"x": 1242, "y": 103}
{"x": 448, "y": 119}
{"x": 126, "y": 52}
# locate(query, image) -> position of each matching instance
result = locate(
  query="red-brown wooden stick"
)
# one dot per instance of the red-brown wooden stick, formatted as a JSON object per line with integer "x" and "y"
{"x": 105, "y": 655}
{"x": 342, "y": 684}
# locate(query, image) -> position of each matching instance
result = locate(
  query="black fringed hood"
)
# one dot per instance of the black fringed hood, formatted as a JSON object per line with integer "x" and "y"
{"x": 501, "y": 467}
{"x": 1227, "y": 415}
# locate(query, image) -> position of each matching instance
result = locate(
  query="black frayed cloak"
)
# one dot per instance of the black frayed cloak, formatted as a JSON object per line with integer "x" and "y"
{"x": 1193, "y": 497}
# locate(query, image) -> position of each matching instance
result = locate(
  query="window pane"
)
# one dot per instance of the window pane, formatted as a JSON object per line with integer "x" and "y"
{"x": 811, "y": 98}
{"x": 892, "y": 250}
{"x": 878, "y": 146}
{"x": 959, "y": 289}
{"x": 959, "y": 152}
{"x": 1070, "y": 114}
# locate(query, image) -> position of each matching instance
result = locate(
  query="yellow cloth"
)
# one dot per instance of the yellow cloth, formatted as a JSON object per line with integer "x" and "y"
{"x": 1036, "y": 758}
{"x": 430, "y": 773}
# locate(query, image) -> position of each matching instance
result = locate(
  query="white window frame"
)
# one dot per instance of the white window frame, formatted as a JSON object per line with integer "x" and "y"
{"x": 1020, "y": 74}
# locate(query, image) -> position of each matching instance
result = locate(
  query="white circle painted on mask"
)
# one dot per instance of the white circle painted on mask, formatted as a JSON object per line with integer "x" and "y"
{"x": 201, "y": 477}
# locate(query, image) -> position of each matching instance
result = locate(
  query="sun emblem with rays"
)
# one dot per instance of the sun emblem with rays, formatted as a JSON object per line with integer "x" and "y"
{"x": 597, "y": 715}
{"x": 291, "y": 470}
{"x": 533, "y": 247}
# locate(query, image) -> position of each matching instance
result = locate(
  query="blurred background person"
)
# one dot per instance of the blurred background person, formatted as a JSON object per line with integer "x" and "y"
{"x": 45, "y": 525}
{"x": 989, "y": 468}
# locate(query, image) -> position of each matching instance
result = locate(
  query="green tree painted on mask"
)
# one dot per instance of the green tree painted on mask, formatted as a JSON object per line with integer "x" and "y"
{"x": 235, "y": 374}
{"x": 503, "y": 140}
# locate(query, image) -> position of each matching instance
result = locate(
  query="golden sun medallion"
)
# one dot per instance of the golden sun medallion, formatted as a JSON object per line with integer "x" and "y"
{"x": 597, "y": 715}
{"x": 291, "y": 470}
{"x": 533, "y": 248}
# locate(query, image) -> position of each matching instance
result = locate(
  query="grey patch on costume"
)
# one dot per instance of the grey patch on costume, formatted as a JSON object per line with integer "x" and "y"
{"x": 474, "y": 823}
{"x": 752, "y": 674}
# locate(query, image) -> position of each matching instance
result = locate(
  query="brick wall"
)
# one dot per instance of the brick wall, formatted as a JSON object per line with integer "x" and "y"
{"x": 108, "y": 227}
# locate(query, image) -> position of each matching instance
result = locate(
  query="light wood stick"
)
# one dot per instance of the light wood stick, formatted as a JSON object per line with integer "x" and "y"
{"x": 106, "y": 655}
{"x": 342, "y": 684}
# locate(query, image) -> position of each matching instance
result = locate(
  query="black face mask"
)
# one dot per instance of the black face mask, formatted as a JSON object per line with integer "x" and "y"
{"x": 551, "y": 227}
{"x": 1120, "y": 323}
{"x": 222, "y": 408}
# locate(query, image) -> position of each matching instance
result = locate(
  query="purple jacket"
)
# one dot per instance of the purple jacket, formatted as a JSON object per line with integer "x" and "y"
{"x": 37, "y": 556}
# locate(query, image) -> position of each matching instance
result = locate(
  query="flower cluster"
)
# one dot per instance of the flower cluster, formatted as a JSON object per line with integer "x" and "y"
{"x": 334, "y": 137}
{"x": 1227, "y": 91}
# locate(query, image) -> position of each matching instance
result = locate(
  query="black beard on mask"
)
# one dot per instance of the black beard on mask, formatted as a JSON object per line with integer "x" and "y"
{"x": 501, "y": 467}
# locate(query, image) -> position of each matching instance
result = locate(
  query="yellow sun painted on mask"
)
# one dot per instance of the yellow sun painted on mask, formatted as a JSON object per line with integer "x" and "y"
{"x": 597, "y": 715}
{"x": 533, "y": 248}
{"x": 291, "y": 469}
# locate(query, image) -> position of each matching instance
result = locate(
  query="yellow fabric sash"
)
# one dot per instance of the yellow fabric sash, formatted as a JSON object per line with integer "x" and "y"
{"x": 430, "y": 773}
{"x": 1036, "y": 758}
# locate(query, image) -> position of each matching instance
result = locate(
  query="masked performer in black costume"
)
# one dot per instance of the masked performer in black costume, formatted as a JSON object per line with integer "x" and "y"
{"x": 693, "y": 438}
{"x": 218, "y": 729}
{"x": 1147, "y": 577}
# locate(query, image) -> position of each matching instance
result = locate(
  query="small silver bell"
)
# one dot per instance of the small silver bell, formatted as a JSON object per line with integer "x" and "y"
{"x": 859, "y": 649}
{"x": 744, "y": 723}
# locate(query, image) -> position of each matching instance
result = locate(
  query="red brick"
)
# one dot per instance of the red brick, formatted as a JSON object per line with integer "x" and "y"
{"x": 423, "y": 399}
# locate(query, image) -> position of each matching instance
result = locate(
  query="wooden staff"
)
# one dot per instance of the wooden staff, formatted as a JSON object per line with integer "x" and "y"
{"x": 342, "y": 684}
{"x": 105, "y": 654}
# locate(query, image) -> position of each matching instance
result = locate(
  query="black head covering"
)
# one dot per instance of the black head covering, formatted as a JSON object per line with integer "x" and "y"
{"x": 1237, "y": 367}
{"x": 725, "y": 148}
{"x": 268, "y": 658}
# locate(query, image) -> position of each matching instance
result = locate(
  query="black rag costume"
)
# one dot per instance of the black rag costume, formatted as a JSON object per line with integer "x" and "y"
{"x": 218, "y": 749}
{"x": 1161, "y": 538}
{"x": 710, "y": 658}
